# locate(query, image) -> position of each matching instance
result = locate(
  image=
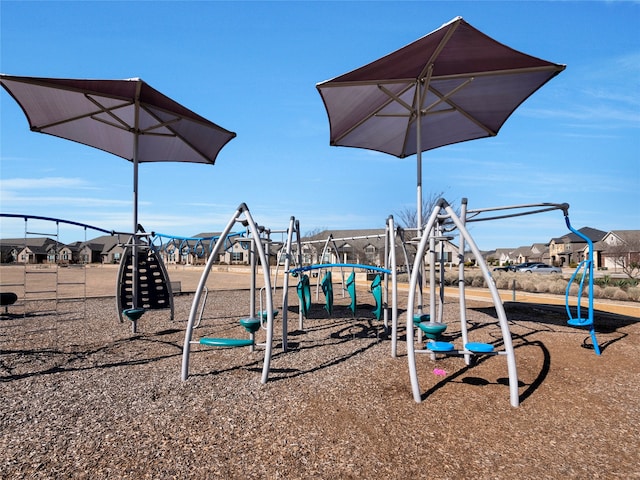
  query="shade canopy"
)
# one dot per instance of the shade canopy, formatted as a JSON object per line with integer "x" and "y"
{"x": 459, "y": 82}
{"x": 127, "y": 118}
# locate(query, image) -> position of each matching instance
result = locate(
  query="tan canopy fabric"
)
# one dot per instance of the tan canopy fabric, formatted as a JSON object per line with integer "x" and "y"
{"x": 461, "y": 83}
{"x": 127, "y": 118}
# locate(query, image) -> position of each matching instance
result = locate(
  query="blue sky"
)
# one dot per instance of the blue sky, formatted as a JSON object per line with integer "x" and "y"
{"x": 252, "y": 68}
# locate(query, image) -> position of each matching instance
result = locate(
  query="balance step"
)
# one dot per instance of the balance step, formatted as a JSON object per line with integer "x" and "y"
{"x": 432, "y": 330}
{"x": 440, "y": 346}
{"x": 133, "y": 314}
{"x": 579, "y": 322}
{"x": 477, "y": 347}
{"x": 251, "y": 325}
{"x": 226, "y": 342}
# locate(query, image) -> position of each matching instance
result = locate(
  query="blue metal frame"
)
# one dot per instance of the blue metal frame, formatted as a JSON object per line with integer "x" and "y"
{"x": 586, "y": 266}
{"x": 295, "y": 271}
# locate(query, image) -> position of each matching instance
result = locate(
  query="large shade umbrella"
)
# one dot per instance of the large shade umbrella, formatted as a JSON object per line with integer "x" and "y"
{"x": 452, "y": 85}
{"x": 127, "y": 118}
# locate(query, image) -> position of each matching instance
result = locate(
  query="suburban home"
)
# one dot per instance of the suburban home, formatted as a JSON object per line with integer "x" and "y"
{"x": 618, "y": 251}
{"x": 570, "y": 248}
{"x": 103, "y": 249}
{"x": 32, "y": 250}
{"x": 362, "y": 246}
{"x": 69, "y": 254}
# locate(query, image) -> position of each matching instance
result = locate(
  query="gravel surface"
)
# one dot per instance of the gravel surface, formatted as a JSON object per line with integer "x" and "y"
{"x": 83, "y": 397}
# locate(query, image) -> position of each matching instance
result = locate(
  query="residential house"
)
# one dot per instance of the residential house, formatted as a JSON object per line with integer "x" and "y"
{"x": 362, "y": 246}
{"x": 30, "y": 250}
{"x": 570, "y": 248}
{"x": 618, "y": 250}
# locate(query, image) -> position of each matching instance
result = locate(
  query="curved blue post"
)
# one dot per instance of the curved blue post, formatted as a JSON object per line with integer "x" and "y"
{"x": 588, "y": 271}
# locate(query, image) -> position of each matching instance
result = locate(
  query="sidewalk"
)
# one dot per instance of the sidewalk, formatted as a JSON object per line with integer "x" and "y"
{"x": 630, "y": 309}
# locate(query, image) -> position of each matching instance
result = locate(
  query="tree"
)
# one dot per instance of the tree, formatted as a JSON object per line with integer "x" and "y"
{"x": 408, "y": 216}
{"x": 626, "y": 255}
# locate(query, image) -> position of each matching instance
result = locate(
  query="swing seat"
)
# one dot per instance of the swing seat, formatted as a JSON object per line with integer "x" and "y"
{"x": 251, "y": 325}
{"x": 327, "y": 289}
{"x": 579, "y": 322}
{"x": 133, "y": 314}
{"x": 432, "y": 330}
{"x": 477, "y": 347}
{"x": 440, "y": 346}
{"x": 425, "y": 317}
{"x": 304, "y": 294}
{"x": 351, "y": 288}
{"x": 226, "y": 342}
{"x": 376, "y": 290}
{"x": 265, "y": 313}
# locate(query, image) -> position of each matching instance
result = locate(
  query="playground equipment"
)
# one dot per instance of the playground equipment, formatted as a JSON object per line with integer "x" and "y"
{"x": 254, "y": 321}
{"x": 151, "y": 285}
{"x": 442, "y": 212}
{"x": 393, "y": 238}
{"x": 145, "y": 285}
{"x": 51, "y": 283}
{"x": 327, "y": 286}
{"x": 444, "y": 219}
{"x": 586, "y": 267}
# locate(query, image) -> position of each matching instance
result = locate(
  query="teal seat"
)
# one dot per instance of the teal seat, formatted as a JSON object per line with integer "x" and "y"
{"x": 133, "y": 314}
{"x": 440, "y": 346}
{"x": 264, "y": 314}
{"x": 251, "y": 325}
{"x": 376, "y": 290}
{"x": 327, "y": 289}
{"x": 226, "y": 342}
{"x": 351, "y": 288}
{"x": 432, "y": 330}
{"x": 304, "y": 294}
{"x": 477, "y": 347}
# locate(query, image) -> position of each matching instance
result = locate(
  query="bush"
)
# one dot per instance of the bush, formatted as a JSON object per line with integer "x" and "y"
{"x": 634, "y": 293}
{"x": 620, "y": 295}
{"x": 558, "y": 287}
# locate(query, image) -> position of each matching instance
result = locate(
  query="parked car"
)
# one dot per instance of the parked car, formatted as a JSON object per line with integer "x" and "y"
{"x": 540, "y": 268}
{"x": 514, "y": 268}
{"x": 506, "y": 268}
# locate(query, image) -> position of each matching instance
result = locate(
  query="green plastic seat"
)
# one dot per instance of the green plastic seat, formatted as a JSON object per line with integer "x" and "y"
{"x": 432, "y": 330}
{"x": 133, "y": 314}
{"x": 376, "y": 290}
{"x": 351, "y": 288}
{"x": 226, "y": 342}
{"x": 304, "y": 294}
{"x": 327, "y": 289}
{"x": 251, "y": 325}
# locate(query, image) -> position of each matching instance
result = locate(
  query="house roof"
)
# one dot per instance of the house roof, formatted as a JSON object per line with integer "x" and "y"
{"x": 592, "y": 234}
{"x": 101, "y": 244}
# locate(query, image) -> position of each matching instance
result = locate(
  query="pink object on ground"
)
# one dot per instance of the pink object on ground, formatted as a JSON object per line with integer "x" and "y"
{"x": 439, "y": 372}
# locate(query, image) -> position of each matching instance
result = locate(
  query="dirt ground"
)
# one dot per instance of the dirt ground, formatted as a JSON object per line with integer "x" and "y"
{"x": 83, "y": 397}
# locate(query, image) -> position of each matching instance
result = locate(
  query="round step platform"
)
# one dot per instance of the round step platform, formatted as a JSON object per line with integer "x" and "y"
{"x": 133, "y": 314}
{"x": 579, "y": 322}
{"x": 251, "y": 325}
{"x": 432, "y": 330}
{"x": 226, "y": 342}
{"x": 478, "y": 347}
{"x": 440, "y": 346}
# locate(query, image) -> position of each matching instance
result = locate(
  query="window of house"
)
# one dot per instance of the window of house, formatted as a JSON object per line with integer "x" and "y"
{"x": 236, "y": 257}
